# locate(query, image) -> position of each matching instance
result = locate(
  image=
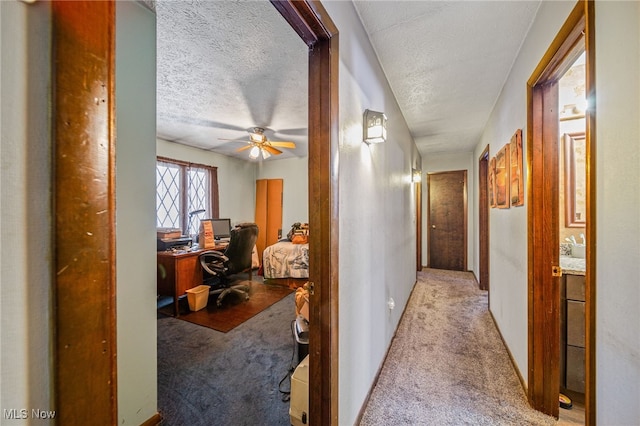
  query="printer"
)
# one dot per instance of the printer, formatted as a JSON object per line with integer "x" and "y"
{"x": 172, "y": 238}
{"x": 173, "y": 243}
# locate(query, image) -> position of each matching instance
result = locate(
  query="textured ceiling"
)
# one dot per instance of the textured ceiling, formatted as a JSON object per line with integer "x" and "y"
{"x": 446, "y": 62}
{"x": 224, "y": 67}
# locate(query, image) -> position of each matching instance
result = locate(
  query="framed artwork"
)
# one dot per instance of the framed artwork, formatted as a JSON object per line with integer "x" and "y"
{"x": 492, "y": 182}
{"x": 516, "y": 176}
{"x": 502, "y": 178}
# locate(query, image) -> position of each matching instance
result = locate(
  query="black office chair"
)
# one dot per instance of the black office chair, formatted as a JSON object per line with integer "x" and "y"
{"x": 220, "y": 266}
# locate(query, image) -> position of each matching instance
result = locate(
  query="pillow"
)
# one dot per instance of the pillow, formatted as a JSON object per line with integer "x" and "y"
{"x": 300, "y": 239}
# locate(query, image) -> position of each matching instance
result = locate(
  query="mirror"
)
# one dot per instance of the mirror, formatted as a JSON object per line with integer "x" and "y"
{"x": 575, "y": 197}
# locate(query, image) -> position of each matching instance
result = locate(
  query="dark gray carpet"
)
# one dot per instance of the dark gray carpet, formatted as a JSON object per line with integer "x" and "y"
{"x": 206, "y": 377}
{"x": 447, "y": 364}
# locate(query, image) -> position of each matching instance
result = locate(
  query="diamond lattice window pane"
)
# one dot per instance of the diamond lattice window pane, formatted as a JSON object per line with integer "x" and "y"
{"x": 197, "y": 196}
{"x": 167, "y": 195}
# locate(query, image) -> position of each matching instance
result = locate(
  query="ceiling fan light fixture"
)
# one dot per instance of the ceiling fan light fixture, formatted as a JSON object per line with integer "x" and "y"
{"x": 265, "y": 154}
{"x": 255, "y": 151}
{"x": 257, "y": 136}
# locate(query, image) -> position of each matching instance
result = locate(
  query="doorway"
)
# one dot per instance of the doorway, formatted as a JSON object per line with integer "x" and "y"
{"x": 418, "y": 195}
{"x": 483, "y": 214}
{"x": 95, "y": 22}
{"x": 545, "y": 274}
{"x": 447, "y": 219}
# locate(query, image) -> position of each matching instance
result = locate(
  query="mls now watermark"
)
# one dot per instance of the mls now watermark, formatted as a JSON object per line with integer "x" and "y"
{"x": 23, "y": 413}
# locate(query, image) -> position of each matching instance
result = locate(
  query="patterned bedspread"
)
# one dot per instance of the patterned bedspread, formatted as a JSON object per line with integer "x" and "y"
{"x": 286, "y": 260}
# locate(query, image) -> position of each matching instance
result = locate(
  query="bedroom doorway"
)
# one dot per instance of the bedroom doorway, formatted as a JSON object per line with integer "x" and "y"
{"x": 317, "y": 30}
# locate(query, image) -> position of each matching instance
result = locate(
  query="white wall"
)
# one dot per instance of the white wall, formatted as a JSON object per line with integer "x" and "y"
{"x": 135, "y": 212}
{"x": 377, "y": 215}
{"x": 618, "y": 213}
{"x": 26, "y": 333}
{"x": 295, "y": 175}
{"x": 444, "y": 162}
{"x": 236, "y": 178}
{"x": 617, "y": 204}
{"x": 508, "y": 227}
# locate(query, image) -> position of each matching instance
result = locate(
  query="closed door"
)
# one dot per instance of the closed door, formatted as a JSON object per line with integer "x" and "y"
{"x": 447, "y": 229}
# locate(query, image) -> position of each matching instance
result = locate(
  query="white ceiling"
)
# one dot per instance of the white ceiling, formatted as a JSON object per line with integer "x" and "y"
{"x": 225, "y": 67}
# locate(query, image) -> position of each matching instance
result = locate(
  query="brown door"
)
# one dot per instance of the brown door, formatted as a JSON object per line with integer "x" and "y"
{"x": 447, "y": 229}
{"x": 483, "y": 215}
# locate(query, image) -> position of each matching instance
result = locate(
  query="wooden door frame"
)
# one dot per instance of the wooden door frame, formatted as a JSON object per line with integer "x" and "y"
{"x": 418, "y": 197}
{"x": 483, "y": 219}
{"x": 542, "y": 157}
{"x": 313, "y": 24}
{"x": 466, "y": 226}
{"x": 85, "y": 385}
{"x": 88, "y": 25}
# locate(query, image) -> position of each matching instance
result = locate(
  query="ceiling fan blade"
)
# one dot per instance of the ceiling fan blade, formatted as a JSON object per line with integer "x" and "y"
{"x": 281, "y": 144}
{"x": 271, "y": 150}
{"x": 243, "y": 148}
{"x": 200, "y": 122}
{"x": 234, "y": 140}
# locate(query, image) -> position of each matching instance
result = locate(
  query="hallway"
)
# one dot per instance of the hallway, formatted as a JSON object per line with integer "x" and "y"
{"x": 447, "y": 364}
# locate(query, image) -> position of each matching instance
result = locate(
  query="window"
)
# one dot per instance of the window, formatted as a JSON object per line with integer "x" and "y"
{"x": 183, "y": 190}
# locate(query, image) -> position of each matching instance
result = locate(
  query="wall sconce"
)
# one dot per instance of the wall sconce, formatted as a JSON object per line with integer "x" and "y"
{"x": 416, "y": 175}
{"x": 374, "y": 126}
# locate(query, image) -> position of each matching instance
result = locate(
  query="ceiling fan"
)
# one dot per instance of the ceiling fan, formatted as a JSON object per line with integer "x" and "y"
{"x": 259, "y": 144}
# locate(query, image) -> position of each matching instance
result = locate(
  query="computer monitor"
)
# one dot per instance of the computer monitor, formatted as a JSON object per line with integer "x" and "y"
{"x": 221, "y": 228}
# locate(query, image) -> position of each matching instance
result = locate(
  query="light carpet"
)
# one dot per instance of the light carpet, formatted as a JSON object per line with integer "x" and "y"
{"x": 447, "y": 364}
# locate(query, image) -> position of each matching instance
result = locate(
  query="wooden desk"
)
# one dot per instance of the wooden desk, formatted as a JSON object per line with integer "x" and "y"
{"x": 178, "y": 271}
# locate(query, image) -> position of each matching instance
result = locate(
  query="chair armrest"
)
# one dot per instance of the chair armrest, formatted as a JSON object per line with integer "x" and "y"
{"x": 213, "y": 261}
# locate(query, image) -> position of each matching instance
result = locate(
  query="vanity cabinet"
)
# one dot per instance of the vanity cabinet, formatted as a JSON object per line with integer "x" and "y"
{"x": 572, "y": 335}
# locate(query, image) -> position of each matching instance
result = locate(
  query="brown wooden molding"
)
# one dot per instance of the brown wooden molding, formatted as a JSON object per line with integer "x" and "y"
{"x": 311, "y": 21}
{"x": 84, "y": 210}
{"x": 590, "y": 276}
{"x": 154, "y": 420}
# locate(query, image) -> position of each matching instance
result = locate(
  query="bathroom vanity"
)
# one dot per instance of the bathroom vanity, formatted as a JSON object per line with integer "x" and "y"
{"x": 572, "y": 324}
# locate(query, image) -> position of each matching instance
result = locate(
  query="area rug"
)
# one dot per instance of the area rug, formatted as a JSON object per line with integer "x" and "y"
{"x": 234, "y": 310}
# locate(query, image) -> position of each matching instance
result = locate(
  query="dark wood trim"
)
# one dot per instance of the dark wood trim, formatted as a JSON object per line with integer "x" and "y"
{"x": 310, "y": 20}
{"x": 84, "y": 210}
{"x": 590, "y": 231}
{"x": 570, "y": 220}
{"x": 466, "y": 221}
{"x": 154, "y": 420}
{"x": 418, "y": 197}
{"x": 543, "y": 222}
{"x": 483, "y": 214}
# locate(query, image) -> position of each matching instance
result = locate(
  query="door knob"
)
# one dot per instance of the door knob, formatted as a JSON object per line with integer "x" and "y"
{"x": 433, "y": 226}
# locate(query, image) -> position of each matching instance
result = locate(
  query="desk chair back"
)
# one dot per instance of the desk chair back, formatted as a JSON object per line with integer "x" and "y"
{"x": 243, "y": 239}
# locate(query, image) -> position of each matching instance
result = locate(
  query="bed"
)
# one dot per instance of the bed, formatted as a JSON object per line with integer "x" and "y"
{"x": 286, "y": 260}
